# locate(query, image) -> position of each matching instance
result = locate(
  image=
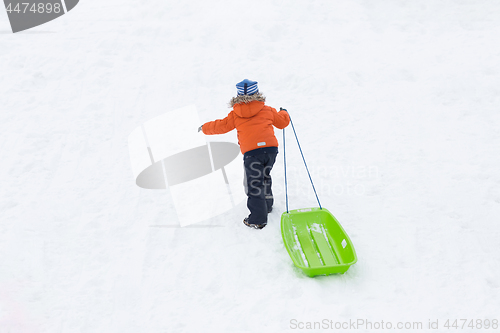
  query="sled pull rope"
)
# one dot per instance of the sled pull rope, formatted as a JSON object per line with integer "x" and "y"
{"x": 307, "y": 169}
{"x": 284, "y": 159}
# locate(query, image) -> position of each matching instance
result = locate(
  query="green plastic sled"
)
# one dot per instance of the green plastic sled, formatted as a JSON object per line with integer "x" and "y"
{"x": 316, "y": 242}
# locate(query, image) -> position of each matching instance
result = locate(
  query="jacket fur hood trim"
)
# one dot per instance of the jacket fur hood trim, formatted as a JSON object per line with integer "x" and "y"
{"x": 247, "y": 99}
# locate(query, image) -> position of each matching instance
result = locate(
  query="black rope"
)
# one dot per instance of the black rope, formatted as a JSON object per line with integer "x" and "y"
{"x": 307, "y": 169}
{"x": 284, "y": 159}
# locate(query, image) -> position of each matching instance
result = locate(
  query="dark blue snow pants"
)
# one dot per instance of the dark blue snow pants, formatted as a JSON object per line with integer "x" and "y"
{"x": 258, "y": 165}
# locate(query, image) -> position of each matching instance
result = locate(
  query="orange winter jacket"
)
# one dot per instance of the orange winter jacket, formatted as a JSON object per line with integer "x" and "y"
{"x": 254, "y": 122}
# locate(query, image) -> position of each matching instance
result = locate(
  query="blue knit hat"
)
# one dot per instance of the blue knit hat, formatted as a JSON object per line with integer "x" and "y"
{"x": 247, "y": 87}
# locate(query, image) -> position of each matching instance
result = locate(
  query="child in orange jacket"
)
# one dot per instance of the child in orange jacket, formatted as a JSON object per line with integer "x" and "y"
{"x": 254, "y": 123}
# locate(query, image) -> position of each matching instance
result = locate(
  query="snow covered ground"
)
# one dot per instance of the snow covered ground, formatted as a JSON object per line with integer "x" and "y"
{"x": 396, "y": 104}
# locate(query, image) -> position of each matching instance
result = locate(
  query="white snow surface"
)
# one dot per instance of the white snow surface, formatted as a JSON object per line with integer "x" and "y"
{"x": 396, "y": 104}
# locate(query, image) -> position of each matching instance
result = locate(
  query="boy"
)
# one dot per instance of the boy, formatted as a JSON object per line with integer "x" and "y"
{"x": 254, "y": 122}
